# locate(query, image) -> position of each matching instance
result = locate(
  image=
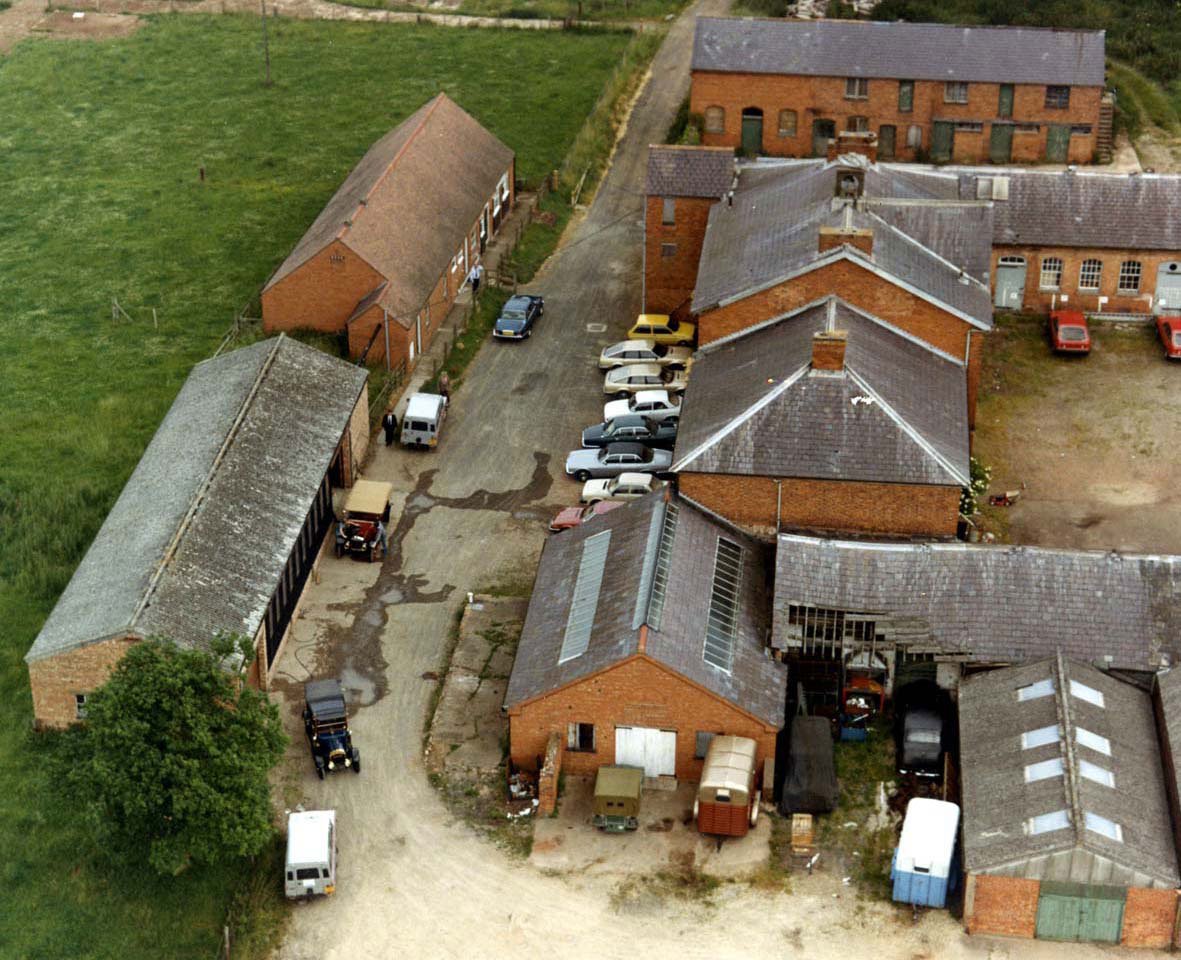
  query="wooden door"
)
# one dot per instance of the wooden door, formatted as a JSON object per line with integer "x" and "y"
{"x": 887, "y": 136}
{"x": 942, "y": 140}
{"x": 752, "y": 131}
{"x": 1057, "y": 142}
{"x": 1000, "y": 143}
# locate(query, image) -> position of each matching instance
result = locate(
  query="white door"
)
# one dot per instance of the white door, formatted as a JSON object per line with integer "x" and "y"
{"x": 1168, "y": 287}
{"x": 654, "y": 750}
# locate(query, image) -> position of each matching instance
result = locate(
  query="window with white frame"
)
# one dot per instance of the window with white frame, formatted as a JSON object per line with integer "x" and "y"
{"x": 1103, "y": 826}
{"x": 955, "y": 91}
{"x": 80, "y": 706}
{"x": 1035, "y": 691}
{"x": 856, "y": 88}
{"x": 1092, "y": 741}
{"x": 1051, "y": 278}
{"x": 715, "y": 120}
{"x": 1130, "y": 272}
{"x": 1089, "y": 274}
{"x": 1049, "y": 822}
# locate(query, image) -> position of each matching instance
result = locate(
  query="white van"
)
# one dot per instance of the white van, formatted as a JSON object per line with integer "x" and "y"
{"x": 311, "y": 853}
{"x": 423, "y": 420}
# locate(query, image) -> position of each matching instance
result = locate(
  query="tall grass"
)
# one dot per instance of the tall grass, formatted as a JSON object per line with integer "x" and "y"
{"x": 102, "y": 144}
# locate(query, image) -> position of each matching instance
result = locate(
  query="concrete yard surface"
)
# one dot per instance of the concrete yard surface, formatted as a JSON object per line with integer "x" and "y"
{"x": 1088, "y": 441}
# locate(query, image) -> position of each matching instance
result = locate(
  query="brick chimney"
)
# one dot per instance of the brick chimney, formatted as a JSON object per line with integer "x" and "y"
{"x": 846, "y": 142}
{"x": 828, "y": 350}
{"x": 833, "y": 237}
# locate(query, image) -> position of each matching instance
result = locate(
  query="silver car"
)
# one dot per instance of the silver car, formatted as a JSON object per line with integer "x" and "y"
{"x": 643, "y": 351}
{"x": 624, "y": 381}
{"x": 617, "y": 458}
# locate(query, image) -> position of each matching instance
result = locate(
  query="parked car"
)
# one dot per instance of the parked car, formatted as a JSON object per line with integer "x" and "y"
{"x": 643, "y": 351}
{"x": 923, "y": 728}
{"x": 577, "y": 516}
{"x": 1169, "y": 328}
{"x": 627, "y": 486}
{"x": 311, "y": 854}
{"x": 363, "y": 528}
{"x": 634, "y": 427}
{"x": 423, "y": 420}
{"x": 635, "y": 377}
{"x": 663, "y": 329}
{"x": 617, "y": 458}
{"x": 653, "y": 404}
{"x": 1068, "y": 332}
{"x": 326, "y": 723}
{"x": 517, "y": 317}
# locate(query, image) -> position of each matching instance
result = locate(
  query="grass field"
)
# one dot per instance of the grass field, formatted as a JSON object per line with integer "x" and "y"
{"x": 102, "y": 145}
{"x": 601, "y": 10}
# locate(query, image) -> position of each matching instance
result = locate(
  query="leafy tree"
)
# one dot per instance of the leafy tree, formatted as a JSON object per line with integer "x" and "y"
{"x": 170, "y": 766}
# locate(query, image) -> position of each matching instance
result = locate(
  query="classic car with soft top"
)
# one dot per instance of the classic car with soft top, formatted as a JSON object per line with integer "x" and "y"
{"x": 633, "y": 427}
{"x": 643, "y": 351}
{"x": 362, "y": 530}
{"x": 617, "y": 458}
{"x": 326, "y": 723}
{"x": 517, "y": 317}
{"x": 627, "y": 486}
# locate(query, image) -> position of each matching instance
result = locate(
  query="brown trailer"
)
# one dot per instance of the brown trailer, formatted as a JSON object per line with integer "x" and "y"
{"x": 727, "y": 803}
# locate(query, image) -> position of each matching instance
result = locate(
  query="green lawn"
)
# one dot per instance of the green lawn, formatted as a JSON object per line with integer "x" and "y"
{"x": 602, "y": 10}
{"x": 102, "y": 143}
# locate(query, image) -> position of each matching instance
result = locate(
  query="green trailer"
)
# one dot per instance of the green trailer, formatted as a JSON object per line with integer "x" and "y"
{"x": 617, "y": 798}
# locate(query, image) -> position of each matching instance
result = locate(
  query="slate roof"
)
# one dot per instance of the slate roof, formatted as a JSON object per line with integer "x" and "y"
{"x": 913, "y": 51}
{"x": 998, "y": 802}
{"x": 754, "y": 407}
{"x": 676, "y": 171}
{"x": 771, "y": 232}
{"x": 996, "y": 604}
{"x": 407, "y": 205}
{"x": 675, "y": 638}
{"x": 274, "y": 412}
{"x": 1083, "y": 209}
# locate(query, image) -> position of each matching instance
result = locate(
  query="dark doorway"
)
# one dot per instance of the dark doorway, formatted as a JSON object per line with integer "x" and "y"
{"x": 1000, "y": 143}
{"x": 942, "y": 141}
{"x": 887, "y": 136}
{"x": 822, "y": 132}
{"x": 752, "y": 131}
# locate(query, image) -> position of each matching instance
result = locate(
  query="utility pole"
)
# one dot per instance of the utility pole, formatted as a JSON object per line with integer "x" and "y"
{"x": 266, "y": 47}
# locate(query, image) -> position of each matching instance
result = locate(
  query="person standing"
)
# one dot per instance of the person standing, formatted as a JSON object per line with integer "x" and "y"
{"x": 474, "y": 278}
{"x": 445, "y": 387}
{"x": 389, "y": 423}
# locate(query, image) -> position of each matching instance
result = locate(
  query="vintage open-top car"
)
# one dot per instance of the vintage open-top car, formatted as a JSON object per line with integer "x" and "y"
{"x": 366, "y": 514}
{"x": 326, "y": 722}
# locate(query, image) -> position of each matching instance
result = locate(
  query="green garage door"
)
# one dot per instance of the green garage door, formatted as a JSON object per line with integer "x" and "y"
{"x": 1079, "y": 911}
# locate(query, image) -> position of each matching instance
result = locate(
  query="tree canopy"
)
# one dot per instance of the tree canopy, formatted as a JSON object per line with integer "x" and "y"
{"x": 171, "y": 763}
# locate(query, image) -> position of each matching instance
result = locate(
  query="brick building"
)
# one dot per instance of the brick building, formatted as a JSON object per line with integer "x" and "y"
{"x": 386, "y": 257}
{"x": 927, "y": 91}
{"x": 220, "y": 524}
{"x": 1067, "y": 829}
{"x": 826, "y": 419}
{"x": 897, "y": 244}
{"x": 645, "y": 637}
{"x": 682, "y": 184}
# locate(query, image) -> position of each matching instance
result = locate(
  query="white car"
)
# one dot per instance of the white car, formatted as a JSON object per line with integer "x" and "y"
{"x": 653, "y": 404}
{"x": 644, "y": 376}
{"x": 627, "y": 486}
{"x": 643, "y": 351}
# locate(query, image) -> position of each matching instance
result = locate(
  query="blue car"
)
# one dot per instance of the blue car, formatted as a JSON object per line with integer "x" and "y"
{"x": 518, "y": 316}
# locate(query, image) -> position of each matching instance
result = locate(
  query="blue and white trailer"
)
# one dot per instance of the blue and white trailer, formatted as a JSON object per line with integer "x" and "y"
{"x": 925, "y": 868}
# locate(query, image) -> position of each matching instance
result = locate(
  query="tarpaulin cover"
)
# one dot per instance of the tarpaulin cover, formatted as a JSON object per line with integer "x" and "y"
{"x": 811, "y": 783}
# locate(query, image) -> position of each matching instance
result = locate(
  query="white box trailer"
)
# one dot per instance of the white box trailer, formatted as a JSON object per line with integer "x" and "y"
{"x": 311, "y": 853}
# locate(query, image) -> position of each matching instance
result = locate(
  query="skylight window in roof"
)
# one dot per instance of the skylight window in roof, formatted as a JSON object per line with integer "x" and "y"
{"x": 1103, "y": 827}
{"x": 1048, "y": 822}
{"x": 1093, "y": 741}
{"x": 1035, "y": 691}
{"x": 1044, "y": 770}
{"x": 1040, "y": 737}
{"x": 664, "y": 554}
{"x": 1092, "y": 771}
{"x": 722, "y": 623}
{"x": 586, "y": 596}
{"x": 1083, "y": 692}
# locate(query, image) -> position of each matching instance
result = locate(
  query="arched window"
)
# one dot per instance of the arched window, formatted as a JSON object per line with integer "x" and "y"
{"x": 1089, "y": 274}
{"x": 715, "y": 120}
{"x": 1129, "y": 276}
{"x": 1051, "y": 278}
{"x": 787, "y": 123}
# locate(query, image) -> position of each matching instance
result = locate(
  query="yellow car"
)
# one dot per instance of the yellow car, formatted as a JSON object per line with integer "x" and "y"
{"x": 661, "y": 328}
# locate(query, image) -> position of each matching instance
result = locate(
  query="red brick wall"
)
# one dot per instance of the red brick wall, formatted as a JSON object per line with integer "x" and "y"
{"x": 1149, "y": 917}
{"x": 549, "y": 776}
{"x": 320, "y": 294}
{"x": 975, "y": 365}
{"x": 55, "y": 680}
{"x": 1001, "y": 905}
{"x": 635, "y": 693}
{"x": 669, "y": 281}
{"x": 1072, "y": 258}
{"x": 833, "y": 237}
{"x": 837, "y": 506}
{"x": 824, "y": 97}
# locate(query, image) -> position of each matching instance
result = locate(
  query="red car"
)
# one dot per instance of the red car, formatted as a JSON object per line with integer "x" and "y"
{"x": 576, "y": 516}
{"x": 1068, "y": 332}
{"x": 1169, "y": 328}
